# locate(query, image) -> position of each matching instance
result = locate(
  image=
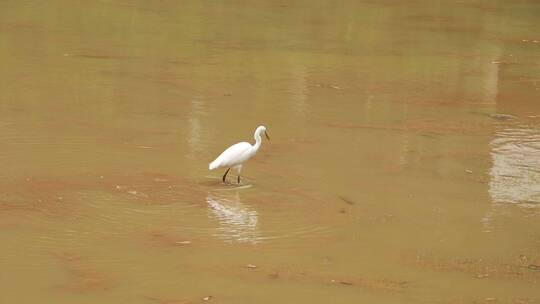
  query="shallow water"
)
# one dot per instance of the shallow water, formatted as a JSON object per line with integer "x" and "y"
{"x": 404, "y": 165}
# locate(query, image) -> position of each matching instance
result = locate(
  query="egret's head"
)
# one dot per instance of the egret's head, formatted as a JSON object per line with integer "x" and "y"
{"x": 260, "y": 130}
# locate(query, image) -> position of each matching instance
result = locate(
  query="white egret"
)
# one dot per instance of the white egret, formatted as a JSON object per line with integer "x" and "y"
{"x": 237, "y": 154}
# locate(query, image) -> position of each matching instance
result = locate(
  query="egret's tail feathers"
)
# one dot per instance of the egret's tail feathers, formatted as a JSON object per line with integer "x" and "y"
{"x": 213, "y": 165}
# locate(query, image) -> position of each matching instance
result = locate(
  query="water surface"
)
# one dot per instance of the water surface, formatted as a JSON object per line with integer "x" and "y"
{"x": 403, "y": 166}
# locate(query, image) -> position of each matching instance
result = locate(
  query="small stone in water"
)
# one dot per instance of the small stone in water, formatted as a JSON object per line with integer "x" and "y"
{"x": 468, "y": 171}
{"x": 251, "y": 266}
{"x": 347, "y": 200}
{"x": 207, "y": 298}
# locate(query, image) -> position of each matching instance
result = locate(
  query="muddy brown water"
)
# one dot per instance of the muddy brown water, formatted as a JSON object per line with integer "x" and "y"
{"x": 404, "y": 165}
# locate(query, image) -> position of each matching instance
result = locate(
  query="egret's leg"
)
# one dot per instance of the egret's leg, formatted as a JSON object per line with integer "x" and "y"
{"x": 224, "y": 175}
{"x": 238, "y": 169}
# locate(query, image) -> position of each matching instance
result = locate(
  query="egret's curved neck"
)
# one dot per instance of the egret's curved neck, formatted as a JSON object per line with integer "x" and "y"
{"x": 258, "y": 141}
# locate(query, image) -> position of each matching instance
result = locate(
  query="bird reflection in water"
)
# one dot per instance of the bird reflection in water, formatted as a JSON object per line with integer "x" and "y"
{"x": 237, "y": 221}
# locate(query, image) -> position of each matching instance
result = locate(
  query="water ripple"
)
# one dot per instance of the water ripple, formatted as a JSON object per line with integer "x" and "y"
{"x": 242, "y": 222}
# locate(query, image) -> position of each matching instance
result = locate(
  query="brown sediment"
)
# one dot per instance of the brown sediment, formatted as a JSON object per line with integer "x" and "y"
{"x": 441, "y": 25}
{"x": 296, "y": 145}
{"x": 43, "y": 200}
{"x": 168, "y": 239}
{"x": 476, "y": 268}
{"x": 67, "y": 256}
{"x": 529, "y": 80}
{"x": 268, "y": 167}
{"x": 483, "y": 6}
{"x": 25, "y": 26}
{"x": 374, "y": 284}
{"x": 421, "y": 126}
{"x": 392, "y": 3}
{"x": 429, "y": 18}
{"x": 461, "y": 154}
{"x": 292, "y": 275}
{"x": 465, "y": 101}
{"x": 448, "y": 127}
{"x": 310, "y": 195}
{"x": 166, "y": 300}
{"x": 83, "y": 277}
{"x": 98, "y": 55}
{"x": 163, "y": 78}
{"x": 35, "y": 193}
{"x": 489, "y": 300}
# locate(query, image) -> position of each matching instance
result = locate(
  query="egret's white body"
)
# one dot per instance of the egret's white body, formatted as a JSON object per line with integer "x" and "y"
{"x": 236, "y": 155}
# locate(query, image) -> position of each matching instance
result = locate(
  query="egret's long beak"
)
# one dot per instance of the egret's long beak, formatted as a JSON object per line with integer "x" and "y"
{"x": 266, "y": 134}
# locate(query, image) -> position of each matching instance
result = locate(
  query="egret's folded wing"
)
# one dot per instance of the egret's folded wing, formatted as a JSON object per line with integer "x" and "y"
{"x": 234, "y": 155}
